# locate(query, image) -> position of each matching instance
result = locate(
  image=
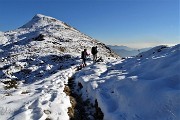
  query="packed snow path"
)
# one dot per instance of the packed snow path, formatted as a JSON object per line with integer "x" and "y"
{"x": 81, "y": 109}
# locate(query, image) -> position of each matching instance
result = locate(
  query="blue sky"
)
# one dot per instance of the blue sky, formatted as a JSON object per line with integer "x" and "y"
{"x": 135, "y": 23}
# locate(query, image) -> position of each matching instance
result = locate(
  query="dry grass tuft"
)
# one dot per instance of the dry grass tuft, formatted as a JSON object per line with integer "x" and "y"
{"x": 10, "y": 84}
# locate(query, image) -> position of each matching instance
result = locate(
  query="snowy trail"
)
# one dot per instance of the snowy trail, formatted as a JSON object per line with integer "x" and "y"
{"x": 81, "y": 109}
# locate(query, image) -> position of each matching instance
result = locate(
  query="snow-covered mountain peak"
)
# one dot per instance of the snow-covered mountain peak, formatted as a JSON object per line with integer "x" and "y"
{"x": 44, "y": 35}
{"x": 39, "y": 21}
{"x": 42, "y": 16}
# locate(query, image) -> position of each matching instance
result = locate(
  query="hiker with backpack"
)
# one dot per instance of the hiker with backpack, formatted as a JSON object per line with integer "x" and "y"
{"x": 94, "y": 53}
{"x": 84, "y": 55}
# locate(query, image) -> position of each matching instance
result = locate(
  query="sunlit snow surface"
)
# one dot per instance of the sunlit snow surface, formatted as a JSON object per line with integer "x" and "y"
{"x": 38, "y": 101}
{"x": 41, "y": 56}
{"x": 145, "y": 87}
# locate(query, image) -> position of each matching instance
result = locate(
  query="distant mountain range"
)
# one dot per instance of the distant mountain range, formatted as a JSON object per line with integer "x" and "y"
{"x": 125, "y": 51}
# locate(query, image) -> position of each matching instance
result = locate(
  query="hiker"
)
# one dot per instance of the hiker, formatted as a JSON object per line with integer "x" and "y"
{"x": 94, "y": 53}
{"x": 84, "y": 55}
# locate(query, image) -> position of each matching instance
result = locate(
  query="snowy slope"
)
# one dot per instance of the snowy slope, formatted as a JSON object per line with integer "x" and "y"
{"x": 37, "y": 101}
{"x": 36, "y": 61}
{"x": 43, "y": 41}
{"x": 146, "y": 87}
{"x": 45, "y": 34}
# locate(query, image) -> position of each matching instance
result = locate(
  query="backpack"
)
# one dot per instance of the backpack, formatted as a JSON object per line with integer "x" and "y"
{"x": 94, "y": 50}
{"x": 82, "y": 55}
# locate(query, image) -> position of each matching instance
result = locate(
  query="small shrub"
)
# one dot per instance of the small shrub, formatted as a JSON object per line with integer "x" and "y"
{"x": 10, "y": 84}
{"x": 70, "y": 112}
{"x": 62, "y": 49}
{"x": 67, "y": 90}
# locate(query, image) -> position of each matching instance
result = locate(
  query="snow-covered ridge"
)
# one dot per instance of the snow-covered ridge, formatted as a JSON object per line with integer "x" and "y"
{"x": 145, "y": 87}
